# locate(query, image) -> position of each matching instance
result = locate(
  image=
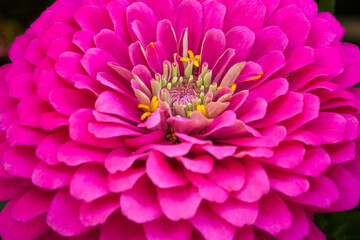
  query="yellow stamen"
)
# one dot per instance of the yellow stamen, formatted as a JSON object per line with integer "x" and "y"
{"x": 201, "y": 108}
{"x": 145, "y": 115}
{"x": 189, "y": 113}
{"x": 152, "y": 45}
{"x": 219, "y": 87}
{"x": 255, "y": 78}
{"x": 197, "y": 61}
{"x": 154, "y": 105}
{"x": 144, "y": 106}
{"x": 233, "y": 87}
{"x": 191, "y": 54}
{"x": 184, "y": 59}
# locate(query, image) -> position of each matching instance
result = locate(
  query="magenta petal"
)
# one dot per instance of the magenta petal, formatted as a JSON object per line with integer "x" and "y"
{"x": 274, "y": 215}
{"x": 236, "y": 212}
{"x": 73, "y": 153}
{"x": 67, "y": 101}
{"x": 163, "y": 228}
{"x": 97, "y": 212}
{"x": 211, "y": 226}
{"x": 322, "y": 193}
{"x": 165, "y": 34}
{"x": 19, "y": 161}
{"x": 171, "y": 151}
{"x": 32, "y": 204}
{"x": 289, "y": 184}
{"x": 52, "y": 177}
{"x": 300, "y": 225}
{"x": 97, "y": 60}
{"x": 162, "y": 173}
{"x": 137, "y": 55}
{"x": 34, "y": 52}
{"x": 297, "y": 36}
{"x": 179, "y": 203}
{"x": 63, "y": 215}
{"x": 121, "y": 159}
{"x": 117, "y": 12}
{"x": 143, "y": 14}
{"x": 112, "y": 103}
{"x": 268, "y": 39}
{"x": 199, "y": 164}
{"x": 330, "y": 127}
{"x": 68, "y": 64}
{"x": 84, "y": 40}
{"x": 327, "y": 36}
{"x": 316, "y": 160}
{"x": 242, "y": 40}
{"x": 214, "y": 15}
{"x": 208, "y": 189}
{"x": 93, "y": 19}
{"x": 229, "y": 174}
{"x": 10, "y": 187}
{"x": 159, "y": 10}
{"x": 256, "y": 183}
{"x": 89, "y": 182}
{"x": 115, "y": 45}
{"x": 189, "y": 15}
{"x": 11, "y": 229}
{"x": 244, "y": 233}
{"x": 156, "y": 55}
{"x": 122, "y": 181}
{"x": 348, "y": 185}
{"x": 24, "y": 136}
{"x": 212, "y": 47}
{"x": 141, "y": 199}
{"x": 118, "y": 227}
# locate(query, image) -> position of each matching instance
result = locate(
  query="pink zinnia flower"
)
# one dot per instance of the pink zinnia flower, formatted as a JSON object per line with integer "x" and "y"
{"x": 178, "y": 120}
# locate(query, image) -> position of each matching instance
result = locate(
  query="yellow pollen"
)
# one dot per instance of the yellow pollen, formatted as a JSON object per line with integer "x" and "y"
{"x": 145, "y": 115}
{"x": 152, "y": 45}
{"x": 233, "y": 87}
{"x": 196, "y": 59}
{"x": 149, "y": 109}
{"x": 255, "y": 78}
{"x": 219, "y": 87}
{"x": 201, "y": 108}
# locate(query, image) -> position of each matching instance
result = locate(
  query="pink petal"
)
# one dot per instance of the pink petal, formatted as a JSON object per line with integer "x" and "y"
{"x": 52, "y": 177}
{"x": 300, "y": 224}
{"x": 256, "y": 183}
{"x": 84, "y": 40}
{"x": 162, "y": 173}
{"x": 117, "y": 12}
{"x": 179, "y": 203}
{"x": 34, "y": 52}
{"x": 236, "y": 212}
{"x": 172, "y": 151}
{"x": 67, "y": 101}
{"x": 11, "y": 229}
{"x": 98, "y": 211}
{"x": 211, "y": 226}
{"x": 289, "y": 184}
{"x": 137, "y": 55}
{"x": 60, "y": 45}
{"x": 73, "y": 154}
{"x": 242, "y": 40}
{"x": 163, "y": 228}
{"x": 97, "y": 60}
{"x": 244, "y": 233}
{"x": 212, "y": 47}
{"x": 52, "y": 120}
{"x": 189, "y": 15}
{"x": 199, "y": 164}
{"x": 348, "y": 185}
{"x": 114, "y": 45}
{"x": 21, "y": 86}
{"x": 274, "y": 215}
{"x": 316, "y": 160}
{"x": 79, "y": 132}
{"x": 89, "y": 182}
{"x": 32, "y": 204}
{"x": 121, "y": 159}
{"x": 322, "y": 193}
{"x": 214, "y": 15}
{"x": 54, "y": 31}
{"x": 165, "y": 34}
{"x": 244, "y": 13}
{"x": 268, "y": 39}
{"x": 118, "y": 227}
{"x": 208, "y": 189}
{"x": 159, "y": 10}
{"x": 297, "y": 36}
{"x": 122, "y": 181}
{"x": 143, "y": 14}
{"x": 24, "y": 136}
{"x": 10, "y": 187}
{"x": 341, "y": 152}
{"x": 140, "y": 203}
{"x": 19, "y": 161}
{"x": 63, "y": 215}
{"x": 93, "y": 19}
{"x": 316, "y": 40}
{"x": 47, "y": 81}
{"x": 68, "y": 64}
{"x": 330, "y": 127}
{"x": 112, "y": 103}
{"x": 229, "y": 174}
{"x": 155, "y": 56}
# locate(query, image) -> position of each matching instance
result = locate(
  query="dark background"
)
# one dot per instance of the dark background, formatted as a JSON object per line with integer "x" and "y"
{"x": 17, "y": 15}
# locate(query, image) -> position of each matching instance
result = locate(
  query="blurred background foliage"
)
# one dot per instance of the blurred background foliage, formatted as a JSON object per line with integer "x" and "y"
{"x": 16, "y": 16}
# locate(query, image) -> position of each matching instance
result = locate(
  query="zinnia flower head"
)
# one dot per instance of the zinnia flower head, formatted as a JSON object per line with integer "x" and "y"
{"x": 232, "y": 119}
